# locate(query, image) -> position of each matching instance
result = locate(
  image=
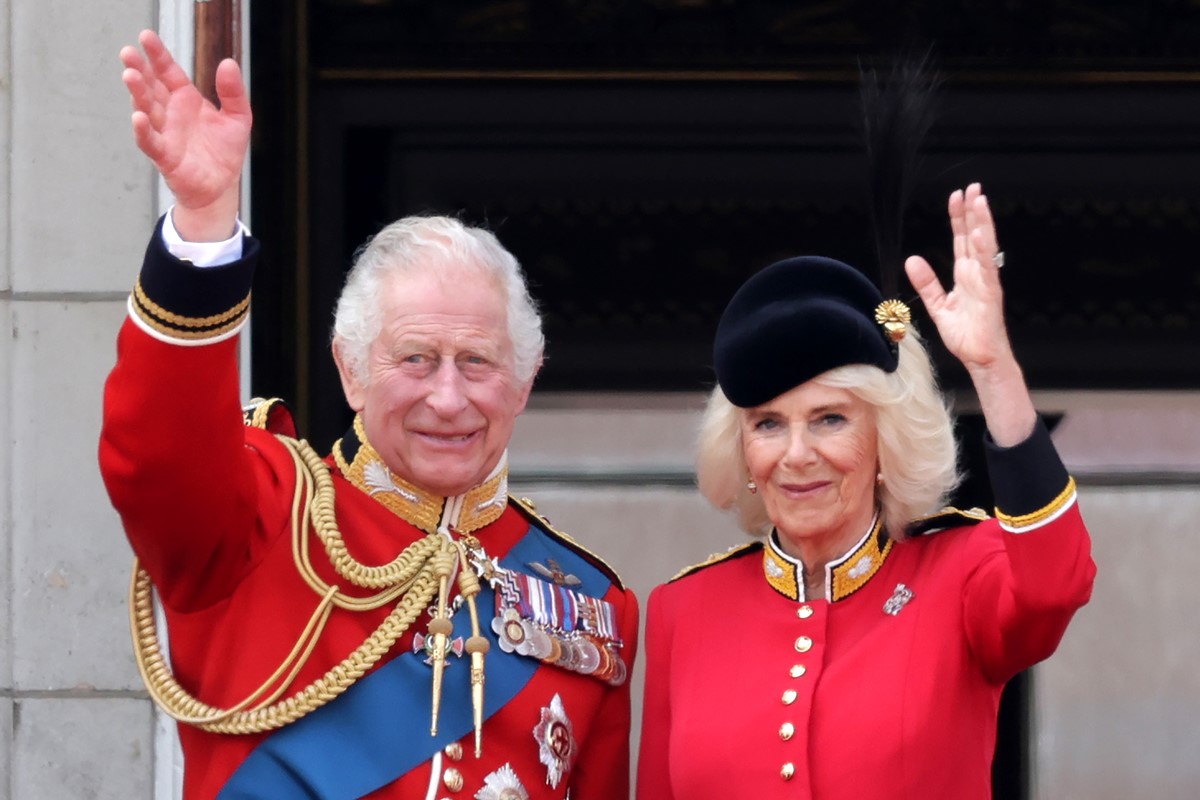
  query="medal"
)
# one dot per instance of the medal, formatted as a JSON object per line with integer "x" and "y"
{"x": 503, "y": 784}
{"x": 556, "y": 624}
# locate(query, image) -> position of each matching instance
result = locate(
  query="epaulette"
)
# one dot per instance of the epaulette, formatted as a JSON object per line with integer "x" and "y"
{"x": 271, "y": 415}
{"x": 527, "y": 508}
{"x": 948, "y": 517}
{"x": 736, "y": 551}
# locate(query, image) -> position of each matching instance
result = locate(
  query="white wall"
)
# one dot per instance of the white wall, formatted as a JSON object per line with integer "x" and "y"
{"x": 1119, "y": 705}
{"x": 76, "y": 203}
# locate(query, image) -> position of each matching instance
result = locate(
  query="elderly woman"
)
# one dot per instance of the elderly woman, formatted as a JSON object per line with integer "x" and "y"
{"x": 859, "y": 650}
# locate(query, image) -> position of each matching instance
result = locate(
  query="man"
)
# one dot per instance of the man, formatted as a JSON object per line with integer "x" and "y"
{"x": 383, "y": 622}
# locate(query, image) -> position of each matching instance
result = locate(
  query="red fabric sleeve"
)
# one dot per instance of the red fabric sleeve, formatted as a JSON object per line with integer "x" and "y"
{"x": 182, "y": 469}
{"x": 1018, "y": 601}
{"x": 603, "y": 768}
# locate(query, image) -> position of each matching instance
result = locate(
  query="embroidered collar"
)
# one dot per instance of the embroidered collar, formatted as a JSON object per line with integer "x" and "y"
{"x": 362, "y": 465}
{"x": 843, "y": 576}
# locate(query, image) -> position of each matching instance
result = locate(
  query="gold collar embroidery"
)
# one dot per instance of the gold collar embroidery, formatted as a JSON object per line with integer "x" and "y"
{"x": 843, "y": 576}
{"x": 362, "y": 465}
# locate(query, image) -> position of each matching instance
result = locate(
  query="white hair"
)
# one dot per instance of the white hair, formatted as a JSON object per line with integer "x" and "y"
{"x": 916, "y": 447}
{"x": 425, "y": 242}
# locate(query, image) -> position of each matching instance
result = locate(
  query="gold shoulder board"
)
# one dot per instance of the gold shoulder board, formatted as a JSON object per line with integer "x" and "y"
{"x": 948, "y": 517}
{"x": 269, "y": 415}
{"x": 716, "y": 558}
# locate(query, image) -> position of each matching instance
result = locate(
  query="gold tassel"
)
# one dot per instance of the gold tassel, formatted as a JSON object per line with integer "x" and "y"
{"x": 477, "y": 645}
{"x": 440, "y": 628}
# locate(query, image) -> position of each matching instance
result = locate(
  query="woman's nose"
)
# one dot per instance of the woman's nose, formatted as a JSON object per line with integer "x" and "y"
{"x": 800, "y": 450}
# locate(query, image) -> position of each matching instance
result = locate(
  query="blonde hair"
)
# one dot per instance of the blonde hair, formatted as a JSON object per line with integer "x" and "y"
{"x": 917, "y": 451}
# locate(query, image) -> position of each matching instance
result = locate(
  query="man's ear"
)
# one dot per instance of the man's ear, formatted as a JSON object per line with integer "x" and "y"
{"x": 354, "y": 390}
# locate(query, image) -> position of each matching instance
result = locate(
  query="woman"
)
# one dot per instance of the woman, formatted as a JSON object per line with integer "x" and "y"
{"x": 856, "y": 653}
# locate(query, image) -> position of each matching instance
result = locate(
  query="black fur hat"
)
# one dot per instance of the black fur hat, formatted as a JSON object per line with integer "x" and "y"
{"x": 795, "y": 320}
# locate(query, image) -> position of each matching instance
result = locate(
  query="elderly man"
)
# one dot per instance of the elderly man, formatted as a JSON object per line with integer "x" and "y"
{"x": 383, "y": 622}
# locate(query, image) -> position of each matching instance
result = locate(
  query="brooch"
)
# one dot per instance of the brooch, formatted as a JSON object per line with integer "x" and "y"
{"x": 898, "y": 600}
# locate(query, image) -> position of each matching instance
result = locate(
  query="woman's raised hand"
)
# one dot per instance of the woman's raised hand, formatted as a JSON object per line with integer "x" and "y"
{"x": 970, "y": 317}
{"x": 198, "y": 148}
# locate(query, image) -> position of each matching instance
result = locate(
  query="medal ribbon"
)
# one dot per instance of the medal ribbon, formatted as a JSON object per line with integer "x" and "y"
{"x": 556, "y": 608}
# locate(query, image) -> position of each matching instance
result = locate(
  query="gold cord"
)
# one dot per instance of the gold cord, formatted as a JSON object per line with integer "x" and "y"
{"x": 324, "y": 522}
{"x": 415, "y": 581}
{"x": 477, "y": 645}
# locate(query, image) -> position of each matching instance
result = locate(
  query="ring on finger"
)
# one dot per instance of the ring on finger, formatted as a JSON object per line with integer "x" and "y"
{"x": 998, "y": 259}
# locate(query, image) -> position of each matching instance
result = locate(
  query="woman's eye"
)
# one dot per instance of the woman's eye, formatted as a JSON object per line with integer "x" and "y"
{"x": 766, "y": 425}
{"x": 832, "y": 419}
{"x": 414, "y": 358}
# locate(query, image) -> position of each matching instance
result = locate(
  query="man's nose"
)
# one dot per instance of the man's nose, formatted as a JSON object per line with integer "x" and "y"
{"x": 448, "y": 396}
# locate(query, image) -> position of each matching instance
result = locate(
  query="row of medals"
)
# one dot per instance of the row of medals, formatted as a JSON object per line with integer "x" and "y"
{"x": 570, "y": 650}
{"x": 574, "y": 651}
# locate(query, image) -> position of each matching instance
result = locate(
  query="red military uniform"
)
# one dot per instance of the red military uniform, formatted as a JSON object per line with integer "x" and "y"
{"x": 207, "y": 503}
{"x": 887, "y": 687}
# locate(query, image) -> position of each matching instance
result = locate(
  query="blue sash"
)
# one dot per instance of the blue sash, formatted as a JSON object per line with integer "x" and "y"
{"x": 378, "y": 730}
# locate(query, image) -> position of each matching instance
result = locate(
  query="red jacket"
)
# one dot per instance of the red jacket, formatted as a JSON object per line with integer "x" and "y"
{"x": 206, "y": 504}
{"x": 889, "y": 688}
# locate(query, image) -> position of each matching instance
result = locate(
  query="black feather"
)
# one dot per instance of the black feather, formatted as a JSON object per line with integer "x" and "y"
{"x": 897, "y": 113}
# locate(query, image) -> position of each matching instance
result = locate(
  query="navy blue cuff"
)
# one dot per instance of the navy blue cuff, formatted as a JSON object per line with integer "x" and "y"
{"x": 182, "y": 301}
{"x": 1029, "y": 481}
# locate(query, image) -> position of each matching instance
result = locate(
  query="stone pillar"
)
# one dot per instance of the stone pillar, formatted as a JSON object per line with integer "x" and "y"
{"x": 78, "y": 200}
{"x": 1116, "y": 707}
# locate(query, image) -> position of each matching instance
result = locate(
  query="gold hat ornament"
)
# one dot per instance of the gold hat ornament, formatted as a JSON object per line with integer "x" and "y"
{"x": 895, "y": 318}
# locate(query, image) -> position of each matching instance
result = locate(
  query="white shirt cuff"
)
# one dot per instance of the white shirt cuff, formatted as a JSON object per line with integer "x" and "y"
{"x": 203, "y": 254}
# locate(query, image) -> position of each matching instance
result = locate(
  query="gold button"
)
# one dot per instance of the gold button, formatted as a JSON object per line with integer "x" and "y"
{"x": 454, "y": 751}
{"x": 789, "y": 697}
{"x": 805, "y": 611}
{"x": 797, "y": 670}
{"x": 786, "y": 731}
{"x": 453, "y": 780}
{"x": 803, "y": 644}
{"x": 789, "y": 769}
